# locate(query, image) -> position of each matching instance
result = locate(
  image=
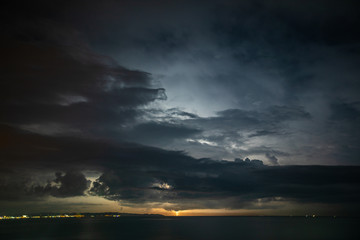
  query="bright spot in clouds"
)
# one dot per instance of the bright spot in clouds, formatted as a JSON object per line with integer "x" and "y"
{"x": 202, "y": 141}
{"x": 162, "y": 186}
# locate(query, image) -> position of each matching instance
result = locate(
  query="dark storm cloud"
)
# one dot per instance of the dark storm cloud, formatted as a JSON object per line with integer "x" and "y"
{"x": 345, "y": 111}
{"x": 273, "y": 79}
{"x": 50, "y": 76}
{"x": 267, "y": 120}
{"x": 324, "y": 22}
{"x": 207, "y": 180}
{"x": 161, "y": 133}
{"x": 68, "y": 185}
{"x": 135, "y": 174}
{"x": 212, "y": 57}
{"x": 22, "y": 185}
{"x": 273, "y": 115}
{"x": 250, "y": 55}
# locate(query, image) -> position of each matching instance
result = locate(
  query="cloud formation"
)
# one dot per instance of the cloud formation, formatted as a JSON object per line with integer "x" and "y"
{"x": 272, "y": 81}
{"x": 52, "y": 79}
{"x": 217, "y": 56}
{"x": 137, "y": 175}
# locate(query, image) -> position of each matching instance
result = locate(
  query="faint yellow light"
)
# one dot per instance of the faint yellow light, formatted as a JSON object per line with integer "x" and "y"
{"x": 176, "y": 213}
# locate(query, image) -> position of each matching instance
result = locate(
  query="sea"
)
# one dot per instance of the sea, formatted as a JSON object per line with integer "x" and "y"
{"x": 184, "y": 228}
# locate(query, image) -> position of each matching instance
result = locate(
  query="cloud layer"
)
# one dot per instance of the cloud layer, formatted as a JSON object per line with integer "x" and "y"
{"x": 136, "y": 175}
{"x": 219, "y": 82}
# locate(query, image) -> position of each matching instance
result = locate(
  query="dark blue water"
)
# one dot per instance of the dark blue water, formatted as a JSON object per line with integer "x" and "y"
{"x": 197, "y": 228}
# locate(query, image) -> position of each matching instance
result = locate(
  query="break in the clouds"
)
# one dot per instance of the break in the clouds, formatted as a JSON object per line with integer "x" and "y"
{"x": 181, "y": 105}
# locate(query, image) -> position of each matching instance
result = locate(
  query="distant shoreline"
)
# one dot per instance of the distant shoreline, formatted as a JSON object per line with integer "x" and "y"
{"x": 127, "y": 215}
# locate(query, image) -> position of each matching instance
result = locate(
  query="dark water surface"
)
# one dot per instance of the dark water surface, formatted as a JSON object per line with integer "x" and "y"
{"x": 197, "y": 228}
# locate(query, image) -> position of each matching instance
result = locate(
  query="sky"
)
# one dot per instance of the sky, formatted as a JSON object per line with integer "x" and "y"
{"x": 180, "y": 107}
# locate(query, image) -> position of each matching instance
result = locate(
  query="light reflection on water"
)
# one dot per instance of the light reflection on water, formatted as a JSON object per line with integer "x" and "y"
{"x": 181, "y": 228}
